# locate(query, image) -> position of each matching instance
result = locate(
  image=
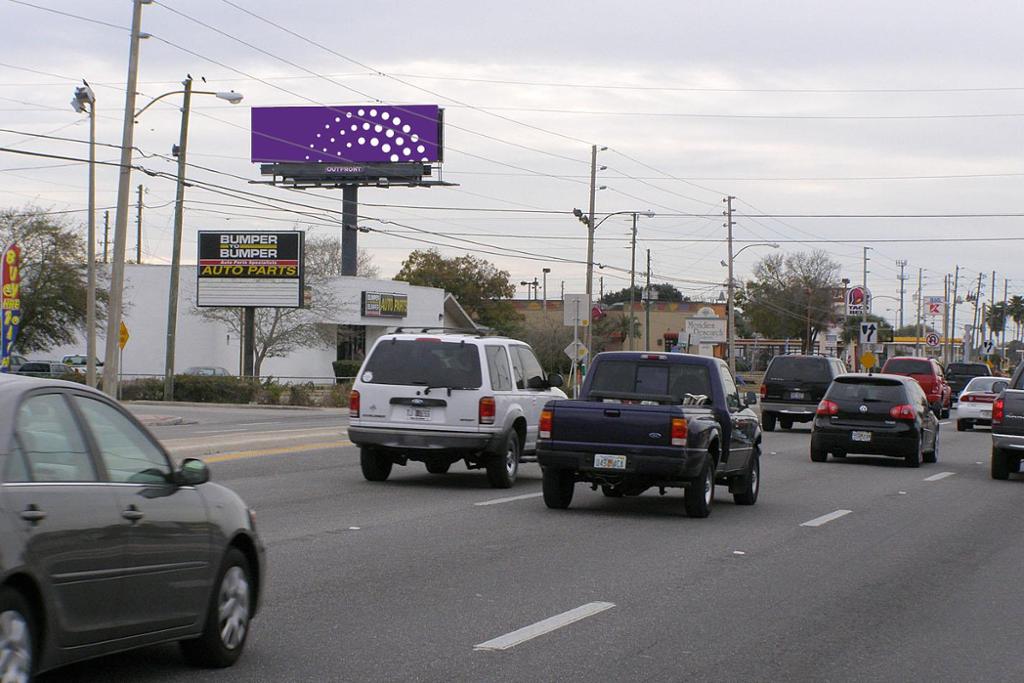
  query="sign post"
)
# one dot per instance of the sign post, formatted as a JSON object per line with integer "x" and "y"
{"x": 576, "y": 311}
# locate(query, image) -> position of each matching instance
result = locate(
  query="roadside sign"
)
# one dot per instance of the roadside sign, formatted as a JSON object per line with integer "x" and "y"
{"x": 576, "y": 310}
{"x": 123, "y": 338}
{"x": 868, "y": 333}
{"x": 989, "y": 347}
{"x": 936, "y": 305}
{"x": 858, "y": 300}
{"x": 10, "y": 304}
{"x": 933, "y": 340}
{"x": 576, "y": 350}
{"x": 868, "y": 360}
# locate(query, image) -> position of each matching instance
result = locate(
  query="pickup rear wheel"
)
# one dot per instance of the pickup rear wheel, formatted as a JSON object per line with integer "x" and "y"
{"x": 375, "y": 466}
{"x": 748, "y": 496}
{"x": 558, "y": 486}
{"x": 1000, "y": 464}
{"x": 503, "y": 468}
{"x": 701, "y": 493}
{"x": 786, "y": 422}
{"x": 768, "y": 422}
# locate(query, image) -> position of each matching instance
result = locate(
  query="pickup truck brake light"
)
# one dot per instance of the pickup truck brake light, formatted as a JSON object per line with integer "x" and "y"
{"x": 653, "y": 356}
{"x": 827, "y": 408}
{"x": 997, "y": 411}
{"x": 488, "y": 410}
{"x": 904, "y": 411}
{"x": 680, "y": 430}
{"x": 547, "y": 417}
{"x": 353, "y": 404}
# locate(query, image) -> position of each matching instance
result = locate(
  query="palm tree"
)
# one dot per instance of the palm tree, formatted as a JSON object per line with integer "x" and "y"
{"x": 1016, "y": 312}
{"x": 995, "y": 317}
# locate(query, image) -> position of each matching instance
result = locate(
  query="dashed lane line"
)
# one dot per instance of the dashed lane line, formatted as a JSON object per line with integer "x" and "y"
{"x": 825, "y": 519}
{"x": 519, "y": 636}
{"x": 940, "y": 475}
{"x": 510, "y": 499}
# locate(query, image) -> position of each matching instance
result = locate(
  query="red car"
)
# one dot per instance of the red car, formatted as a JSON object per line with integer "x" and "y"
{"x": 929, "y": 375}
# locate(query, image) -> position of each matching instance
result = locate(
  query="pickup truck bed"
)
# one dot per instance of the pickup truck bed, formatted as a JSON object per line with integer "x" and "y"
{"x": 1008, "y": 428}
{"x": 686, "y": 428}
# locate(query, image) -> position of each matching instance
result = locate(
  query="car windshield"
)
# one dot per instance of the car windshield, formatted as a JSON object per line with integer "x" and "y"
{"x": 428, "y": 362}
{"x": 790, "y": 368}
{"x": 865, "y": 390}
{"x": 908, "y": 366}
{"x": 968, "y": 369}
{"x": 651, "y": 379}
{"x": 983, "y": 384}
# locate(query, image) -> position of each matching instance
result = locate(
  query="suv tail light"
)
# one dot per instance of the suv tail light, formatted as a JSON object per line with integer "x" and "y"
{"x": 353, "y": 404}
{"x": 487, "y": 410}
{"x": 997, "y": 411}
{"x": 903, "y": 412}
{"x": 547, "y": 418}
{"x": 680, "y": 430}
{"x": 827, "y": 408}
{"x": 764, "y": 391}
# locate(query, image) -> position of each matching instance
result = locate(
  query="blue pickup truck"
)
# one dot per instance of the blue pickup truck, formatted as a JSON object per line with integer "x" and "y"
{"x": 648, "y": 420}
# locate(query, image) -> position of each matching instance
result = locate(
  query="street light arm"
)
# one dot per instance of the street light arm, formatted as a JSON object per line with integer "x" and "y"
{"x": 157, "y": 99}
{"x": 231, "y": 96}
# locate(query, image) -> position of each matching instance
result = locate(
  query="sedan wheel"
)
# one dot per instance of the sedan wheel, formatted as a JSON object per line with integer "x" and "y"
{"x": 233, "y": 610}
{"x": 227, "y": 618}
{"x": 15, "y": 639}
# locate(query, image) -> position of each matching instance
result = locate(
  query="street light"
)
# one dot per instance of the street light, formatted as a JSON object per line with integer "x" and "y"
{"x": 85, "y": 101}
{"x": 179, "y": 208}
{"x": 632, "y": 270}
{"x": 731, "y": 315}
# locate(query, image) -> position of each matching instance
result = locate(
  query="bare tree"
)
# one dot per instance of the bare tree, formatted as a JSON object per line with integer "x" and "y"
{"x": 323, "y": 256}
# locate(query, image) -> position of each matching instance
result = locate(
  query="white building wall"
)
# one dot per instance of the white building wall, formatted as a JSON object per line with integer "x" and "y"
{"x": 200, "y": 342}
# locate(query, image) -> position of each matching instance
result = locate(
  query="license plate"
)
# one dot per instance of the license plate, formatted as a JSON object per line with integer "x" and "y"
{"x": 860, "y": 436}
{"x": 986, "y": 413}
{"x": 609, "y": 462}
{"x": 797, "y": 396}
{"x": 419, "y": 413}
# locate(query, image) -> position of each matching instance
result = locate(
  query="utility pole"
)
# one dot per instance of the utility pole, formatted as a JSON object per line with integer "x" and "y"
{"x": 992, "y": 299}
{"x": 601, "y": 294}
{"x": 111, "y": 366}
{"x": 590, "y": 234}
{"x": 945, "y": 318}
{"x": 85, "y": 100}
{"x": 730, "y": 288}
{"x": 864, "y": 306}
{"x": 809, "y": 348}
{"x": 974, "y": 319}
{"x": 632, "y": 284}
{"x": 138, "y": 227}
{"x": 179, "y": 211}
{"x": 920, "y": 324}
{"x": 561, "y": 295}
{"x": 1006, "y": 303}
{"x": 902, "y": 263}
{"x": 106, "y": 234}
{"x": 544, "y": 306}
{"x": 647, "y": 308}
{"x": 952, "y": 324}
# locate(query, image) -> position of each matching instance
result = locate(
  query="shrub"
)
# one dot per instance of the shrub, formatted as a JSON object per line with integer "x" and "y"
{"x": 144, "y": 389}
{"x": 336, "y": 396}
{"x": 300, "y": 394}
{"x": 346, "y": 368}
{"x": 270, "y": 392}
{"x": 214, "y": 389}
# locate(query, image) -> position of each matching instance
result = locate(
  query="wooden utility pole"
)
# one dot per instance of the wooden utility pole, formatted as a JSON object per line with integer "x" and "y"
{"x": 106, "y": 233}
{"x": 138, "y": 228}
{"x": 647, "y": 308}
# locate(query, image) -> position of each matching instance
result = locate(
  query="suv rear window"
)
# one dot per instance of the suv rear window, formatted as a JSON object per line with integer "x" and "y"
{"x": 968, "y": 369}
{"x": 908, "y": 366}
{"x": 867, "y": 391}
{"x": 805, "y": 369}
{"x": 424, "y": 362}
{"x": 657, "y": 379}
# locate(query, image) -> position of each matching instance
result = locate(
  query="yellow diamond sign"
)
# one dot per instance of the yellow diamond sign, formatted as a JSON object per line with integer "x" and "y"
{"x": 122, "y": 340}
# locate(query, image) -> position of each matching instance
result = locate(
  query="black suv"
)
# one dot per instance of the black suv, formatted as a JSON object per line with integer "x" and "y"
{"x": 960, "y": 374}
{"x": 793, "y": 386}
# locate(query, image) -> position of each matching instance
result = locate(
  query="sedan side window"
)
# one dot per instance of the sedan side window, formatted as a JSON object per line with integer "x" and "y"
{"x": 53, "y": 447}
{"x": 128, "y": 454}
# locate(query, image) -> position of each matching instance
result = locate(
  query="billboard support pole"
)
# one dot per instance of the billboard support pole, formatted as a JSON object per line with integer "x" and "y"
{"x": 249, "y": 343}
{"x": 350, "y": 230}
{"x": 172, "y": 295}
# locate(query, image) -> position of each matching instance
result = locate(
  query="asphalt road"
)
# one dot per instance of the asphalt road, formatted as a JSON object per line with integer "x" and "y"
{"x": 404, "y": 580}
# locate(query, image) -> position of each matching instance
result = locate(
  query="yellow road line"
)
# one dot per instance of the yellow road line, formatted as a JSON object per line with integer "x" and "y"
{"x": 241, "y": 455}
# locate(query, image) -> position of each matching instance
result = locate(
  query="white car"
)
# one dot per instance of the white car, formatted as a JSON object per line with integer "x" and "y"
{"x": 975, "y": 406}
{"x": 441, "y": 398}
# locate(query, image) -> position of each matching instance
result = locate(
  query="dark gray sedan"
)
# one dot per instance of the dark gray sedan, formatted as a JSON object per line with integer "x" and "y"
{"x": 105, "y": 545}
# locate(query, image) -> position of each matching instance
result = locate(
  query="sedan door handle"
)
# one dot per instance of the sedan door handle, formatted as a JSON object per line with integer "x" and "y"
{"x": 33, "y": 514}
{"x": 133, "y": 513}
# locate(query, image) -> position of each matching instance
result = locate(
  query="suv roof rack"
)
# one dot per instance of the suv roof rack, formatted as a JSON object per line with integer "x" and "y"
{"x": 428, "y": 330}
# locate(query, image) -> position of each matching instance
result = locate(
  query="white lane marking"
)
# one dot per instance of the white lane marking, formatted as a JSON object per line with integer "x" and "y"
{"x": 738, "y": 552}
{"x": 519, "y": 636}
{"x": 940, "y": 475}
{"x": 825, "y": 519}
{"x": 510, "y": 499}
{"x": 945, "y": 423}
{"x": 903, "y": 493}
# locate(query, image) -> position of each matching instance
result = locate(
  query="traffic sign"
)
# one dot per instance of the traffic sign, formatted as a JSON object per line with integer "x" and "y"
{"x": 576, "y": 310}
{"x": 868, "y": 333}
{"x": 989, "y": 347}
{"x": 933, "y": 340}
{"x": 868, "y": 360}
{"x": 576, "y": 350}
{"x": 936, "y": 305}
{"x": 122, "y": 340}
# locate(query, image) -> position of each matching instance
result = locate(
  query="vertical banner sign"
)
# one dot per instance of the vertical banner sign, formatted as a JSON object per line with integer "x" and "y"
{"x": 10, "y": 304}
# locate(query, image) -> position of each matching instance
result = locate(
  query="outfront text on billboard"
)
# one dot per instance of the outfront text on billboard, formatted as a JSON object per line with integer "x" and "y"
{"x": 251, "y": 268}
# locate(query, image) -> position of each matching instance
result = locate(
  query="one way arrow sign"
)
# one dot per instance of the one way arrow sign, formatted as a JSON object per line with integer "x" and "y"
{"x": 868, "y": 333}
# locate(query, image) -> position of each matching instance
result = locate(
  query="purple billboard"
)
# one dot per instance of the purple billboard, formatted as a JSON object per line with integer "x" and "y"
{"x": 378, "y": 133}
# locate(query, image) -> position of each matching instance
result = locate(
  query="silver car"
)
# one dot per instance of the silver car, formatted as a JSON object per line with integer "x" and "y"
{"x": 106, "y": 544}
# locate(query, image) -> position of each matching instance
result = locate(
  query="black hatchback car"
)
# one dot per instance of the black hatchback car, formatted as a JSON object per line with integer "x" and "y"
{"x": 875, "y": 415}
{"x": 106, "y": 544}
{"x": 792, "y": 387}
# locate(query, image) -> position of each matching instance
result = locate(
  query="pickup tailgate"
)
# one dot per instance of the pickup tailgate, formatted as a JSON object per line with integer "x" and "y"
{"x": 1013, "y": 414}
{"x": 616, "y": 428}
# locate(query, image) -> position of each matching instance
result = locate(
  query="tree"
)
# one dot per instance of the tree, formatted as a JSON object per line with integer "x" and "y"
{"x": 281, "y": 331}
{"x": 996, "y": 316}
{"x": 788, "y": 292}
{"x": 1015, "y": 309}
{"x": 54, "y": 283}
{"x": 323, "y": 257}
{"x": 548, "y": 337}
{"x": 480, "y": 287}
{"x": 666, "y": 292}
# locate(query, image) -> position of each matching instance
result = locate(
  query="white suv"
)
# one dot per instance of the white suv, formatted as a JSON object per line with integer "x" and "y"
{"x": 441, "y": 398}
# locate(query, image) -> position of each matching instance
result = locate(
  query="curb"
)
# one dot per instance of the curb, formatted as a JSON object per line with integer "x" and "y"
{"x": 197, "y": 404}
{"x": 161, "y": 420}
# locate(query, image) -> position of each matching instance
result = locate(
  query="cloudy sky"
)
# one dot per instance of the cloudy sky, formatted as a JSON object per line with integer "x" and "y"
{"x": 867, "y": 122}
